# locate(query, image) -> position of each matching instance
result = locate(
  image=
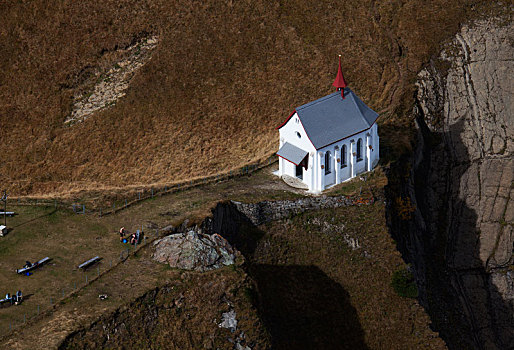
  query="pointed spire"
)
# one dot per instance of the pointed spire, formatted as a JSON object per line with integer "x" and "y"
{"x": 339, "y": 81}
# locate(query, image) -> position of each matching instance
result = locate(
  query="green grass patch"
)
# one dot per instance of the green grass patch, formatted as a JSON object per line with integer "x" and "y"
{"x": 404, "y": 284}
{"x": 251, "y": 295}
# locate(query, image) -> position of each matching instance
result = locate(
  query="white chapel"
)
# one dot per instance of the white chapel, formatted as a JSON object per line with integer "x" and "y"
{"x": 330, "y": 140}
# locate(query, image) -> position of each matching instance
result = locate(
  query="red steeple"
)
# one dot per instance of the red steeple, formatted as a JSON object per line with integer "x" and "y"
{"x": 339, "y": 82}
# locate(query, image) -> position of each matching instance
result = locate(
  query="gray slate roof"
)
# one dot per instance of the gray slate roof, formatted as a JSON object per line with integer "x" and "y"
{"x": 291, "y": 153}
{"x": 330, "y": 118}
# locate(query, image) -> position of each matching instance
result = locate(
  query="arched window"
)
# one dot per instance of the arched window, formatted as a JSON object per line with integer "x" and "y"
{"x": 359, "y": 150}
{"x": 343, "y": 156}
{"x": 327, "y": 163}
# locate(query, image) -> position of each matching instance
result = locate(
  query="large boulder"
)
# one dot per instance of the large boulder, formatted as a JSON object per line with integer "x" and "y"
{"x": 194, "y": 251}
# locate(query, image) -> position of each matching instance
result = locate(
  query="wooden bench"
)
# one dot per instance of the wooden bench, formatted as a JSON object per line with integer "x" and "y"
{"x": 90, "y": 262}
{"x": 33, "y": 266}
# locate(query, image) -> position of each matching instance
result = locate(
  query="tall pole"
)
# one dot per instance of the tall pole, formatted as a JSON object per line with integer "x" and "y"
{"x": 4, "y": 198}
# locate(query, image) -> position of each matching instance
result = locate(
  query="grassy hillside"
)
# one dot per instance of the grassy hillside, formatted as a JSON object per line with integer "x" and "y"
{"x": 316, "y": 292}
{"x": 222, "y": 76}
{"x": 310, "y": 289}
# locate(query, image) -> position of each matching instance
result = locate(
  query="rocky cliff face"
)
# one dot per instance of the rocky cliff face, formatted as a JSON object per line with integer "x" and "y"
{"x": 458, "y": 231}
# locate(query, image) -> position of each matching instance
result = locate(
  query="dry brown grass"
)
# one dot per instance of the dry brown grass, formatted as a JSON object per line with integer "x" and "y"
{"x": 70, "y": 239}
{"x": 223, "y": 76}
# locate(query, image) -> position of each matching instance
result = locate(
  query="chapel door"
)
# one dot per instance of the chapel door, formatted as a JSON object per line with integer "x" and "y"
{"x": 299, "y": 171}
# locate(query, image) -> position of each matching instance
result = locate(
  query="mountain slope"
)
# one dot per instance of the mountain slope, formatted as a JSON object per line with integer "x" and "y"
{"x": 222, "y": 76}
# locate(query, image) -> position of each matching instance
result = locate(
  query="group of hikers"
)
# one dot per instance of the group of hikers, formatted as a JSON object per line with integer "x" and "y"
{"x": 134, "y": 238}
{"x": 125, "y": 237}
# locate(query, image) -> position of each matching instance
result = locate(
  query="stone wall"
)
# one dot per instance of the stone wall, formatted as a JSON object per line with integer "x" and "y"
{"x": 262, "y": 212}
{"x": 238, "y": 222}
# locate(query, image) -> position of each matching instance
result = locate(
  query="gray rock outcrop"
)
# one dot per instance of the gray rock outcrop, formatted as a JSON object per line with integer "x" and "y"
{"x": 111, "y": 85}
{"x": 194, "y": 251}
{"x": 460, "y": 238}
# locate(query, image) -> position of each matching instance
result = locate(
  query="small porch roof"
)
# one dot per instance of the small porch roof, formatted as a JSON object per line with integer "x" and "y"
{"x": 292, "y": 153}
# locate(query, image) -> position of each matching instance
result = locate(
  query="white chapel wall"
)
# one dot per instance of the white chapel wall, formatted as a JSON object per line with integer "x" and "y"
{"x": 288, "y": 133}
{"x": 342, "y": 174}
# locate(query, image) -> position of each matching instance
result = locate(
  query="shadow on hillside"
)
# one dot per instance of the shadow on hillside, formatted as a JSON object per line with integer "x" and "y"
{"x": 301, "y": 306}
{"x": 304, "y": 309}
{"x": 442, "y": 242}
{"x": 34, "y": 219}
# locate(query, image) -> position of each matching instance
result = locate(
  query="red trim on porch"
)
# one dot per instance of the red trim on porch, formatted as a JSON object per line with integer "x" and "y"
{"x": 287, "y": 160}
{"x": 305, "y": 165}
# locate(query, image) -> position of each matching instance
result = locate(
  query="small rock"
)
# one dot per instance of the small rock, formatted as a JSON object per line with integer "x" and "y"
{"x": 229, "y": 321}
